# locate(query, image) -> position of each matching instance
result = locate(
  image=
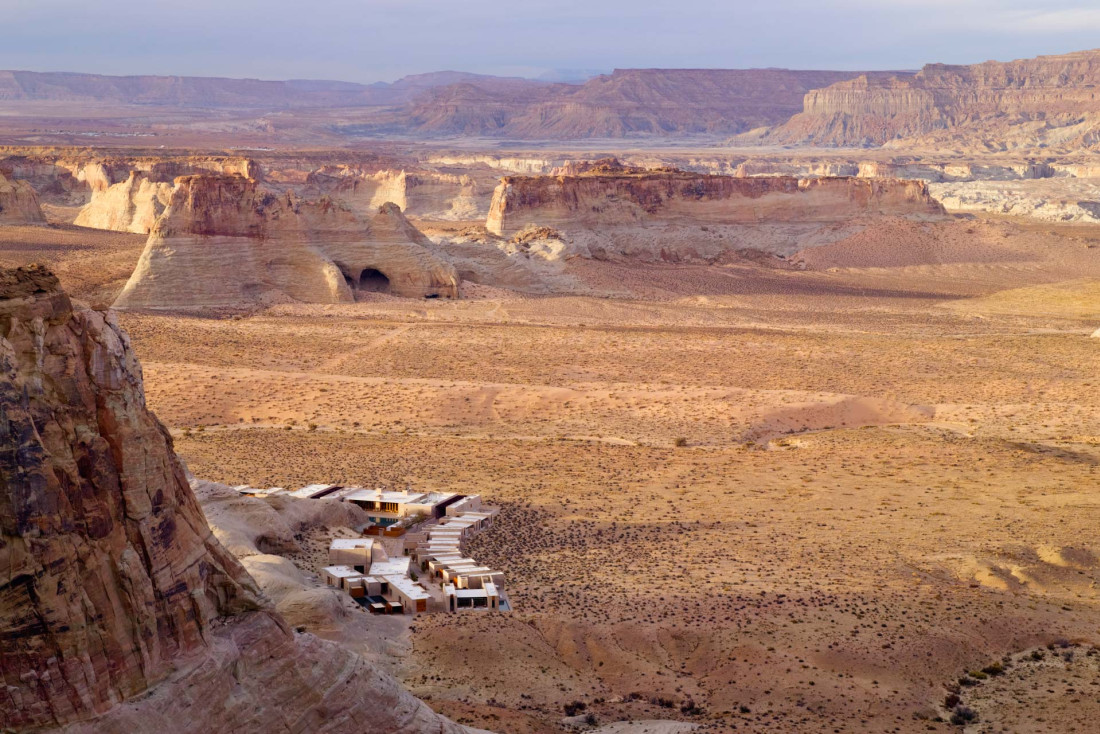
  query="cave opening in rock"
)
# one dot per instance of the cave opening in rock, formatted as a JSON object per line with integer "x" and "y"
{"x": 374, "y": 281}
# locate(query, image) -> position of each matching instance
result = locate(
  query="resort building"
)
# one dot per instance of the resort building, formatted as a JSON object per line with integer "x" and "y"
{"x": 359, "y": 553}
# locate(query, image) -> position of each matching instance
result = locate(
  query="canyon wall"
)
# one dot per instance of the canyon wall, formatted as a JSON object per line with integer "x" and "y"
{"x": 121, "y": 611}
{"x": 662, "y": 198}
{"x": 224, "y": 241}
{"x": 1029, "y": 98}
{"x": 19, "y": 203}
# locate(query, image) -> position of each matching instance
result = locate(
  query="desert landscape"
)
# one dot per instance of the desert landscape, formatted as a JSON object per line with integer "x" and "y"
{"x": 785, "y": 385}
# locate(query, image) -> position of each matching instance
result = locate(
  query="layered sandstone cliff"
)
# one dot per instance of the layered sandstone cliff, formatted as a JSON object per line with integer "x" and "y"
{"x": 19, "y": 203}
{"x": 663, "y": 197}
{"x": 120, "y": 610}
{"x": 1029, "y": 101}
{"x": 131, "y": 206}
{"x": 224, "y": 241}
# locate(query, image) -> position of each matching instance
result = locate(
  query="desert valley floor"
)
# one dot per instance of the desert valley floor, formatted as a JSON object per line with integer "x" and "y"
{"x": 747, "y": 496}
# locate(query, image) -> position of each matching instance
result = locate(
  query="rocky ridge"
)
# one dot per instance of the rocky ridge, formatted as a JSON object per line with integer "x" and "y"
{"x": 673, "y": 215}
{"x": 626, "y": 103}
{"x": 225, "y": 241}
{"x": 121, "y": 610}
{"x": 992, "y": 105}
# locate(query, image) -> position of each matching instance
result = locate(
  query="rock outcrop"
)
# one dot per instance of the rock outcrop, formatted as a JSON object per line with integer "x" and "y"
{"x": 632, "y": 198}
{"x": 425, "y": 194}
{"x": 121, "y": 612}
{"x": 677, "y": 216}
{"x": 131, "y": 206}
{"x": 19, "y": 203}
{"x": 1046, "y": 199}
{"x": 993, "y": 105}
{"x": 223, "y": 241}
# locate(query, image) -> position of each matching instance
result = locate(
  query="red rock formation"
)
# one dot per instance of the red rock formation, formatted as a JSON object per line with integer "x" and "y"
{"x": 659, "y": 198}
{"x": 114, "y": 585}
{"x": 19, "y": 203}
{"x": 1054, "y": 90}
{"x": 111, "y": 570}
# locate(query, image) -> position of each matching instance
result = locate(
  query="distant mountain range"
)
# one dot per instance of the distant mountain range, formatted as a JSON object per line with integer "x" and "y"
{"x": 624, "y": 103}
{"x": 1053, "y": 100}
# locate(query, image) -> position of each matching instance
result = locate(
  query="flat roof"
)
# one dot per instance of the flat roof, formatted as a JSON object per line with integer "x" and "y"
{"x": 398, "y": 566}
{"x": 479, "y": 571}
{"x": 471, "y": 593}
{"x": 399, "y": 497}
{"x": 309, "y": 490}
{"x": 351, "y": 544}
{"x": 341, "y": 572}
{"x": 408, "y": 587}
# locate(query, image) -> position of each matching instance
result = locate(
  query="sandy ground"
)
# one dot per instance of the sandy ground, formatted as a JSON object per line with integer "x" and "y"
{"x": 744, "y": 497}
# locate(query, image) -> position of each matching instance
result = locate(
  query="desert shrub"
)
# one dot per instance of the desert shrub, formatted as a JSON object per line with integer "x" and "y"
{"x": 963, "y": 715}
{"x": 680, "y": 442}
{"x": 994, "y": 669}
{"x": 575, "y": 708}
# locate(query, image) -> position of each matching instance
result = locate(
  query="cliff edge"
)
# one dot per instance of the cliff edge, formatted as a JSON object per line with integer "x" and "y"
{"x": 120, "y": 610}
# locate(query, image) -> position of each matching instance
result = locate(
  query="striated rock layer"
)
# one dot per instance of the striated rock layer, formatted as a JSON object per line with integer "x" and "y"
{"x": 1036, "y": 96}
{"x": 662, "y": 197}
{"x": 223, "y": 241}
{"x": 19, "y": 203}
{"x": 133, "y": 205}
{"x": 114, "y": 585}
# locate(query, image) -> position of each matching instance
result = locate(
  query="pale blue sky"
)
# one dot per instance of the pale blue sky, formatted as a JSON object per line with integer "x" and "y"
{"x": 370, "y": 40}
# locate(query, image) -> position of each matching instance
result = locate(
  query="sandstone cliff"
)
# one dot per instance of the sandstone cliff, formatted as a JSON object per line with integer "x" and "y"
{"x": 674, "y": 216}
{"x": 120, "y": 610}
{"x": 131, "y": 206}
{"x": 992, "y": 106}
{"x": 224, "y": 241}
{"x": 631, "y": 198}
{"x": 19, "y": 203}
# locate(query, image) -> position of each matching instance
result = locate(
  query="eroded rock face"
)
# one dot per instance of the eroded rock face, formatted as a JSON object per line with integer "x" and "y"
{"x": 1054, "y": 91}
{"x": 133, "y": 205}
{"x": 114, "y": 585}
{"x": 637, "y": 199}
{"x": 111, "y": 569}
{"x": 224, "y": 241}
{"x": 19, "y": 203}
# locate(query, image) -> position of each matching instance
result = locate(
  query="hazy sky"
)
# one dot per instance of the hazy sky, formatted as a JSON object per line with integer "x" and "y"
{"x": 371, "y": 40}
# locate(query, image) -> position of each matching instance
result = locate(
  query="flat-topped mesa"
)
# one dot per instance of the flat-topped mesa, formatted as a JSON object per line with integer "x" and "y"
{"x": 224, "y": 241}
{"x": 592, "y": 201}
{"x": 121, "y": 611}
{"x": 868, "y": 111}
{"x": 19, "y": 203}
{"x": 77, "y": 177}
